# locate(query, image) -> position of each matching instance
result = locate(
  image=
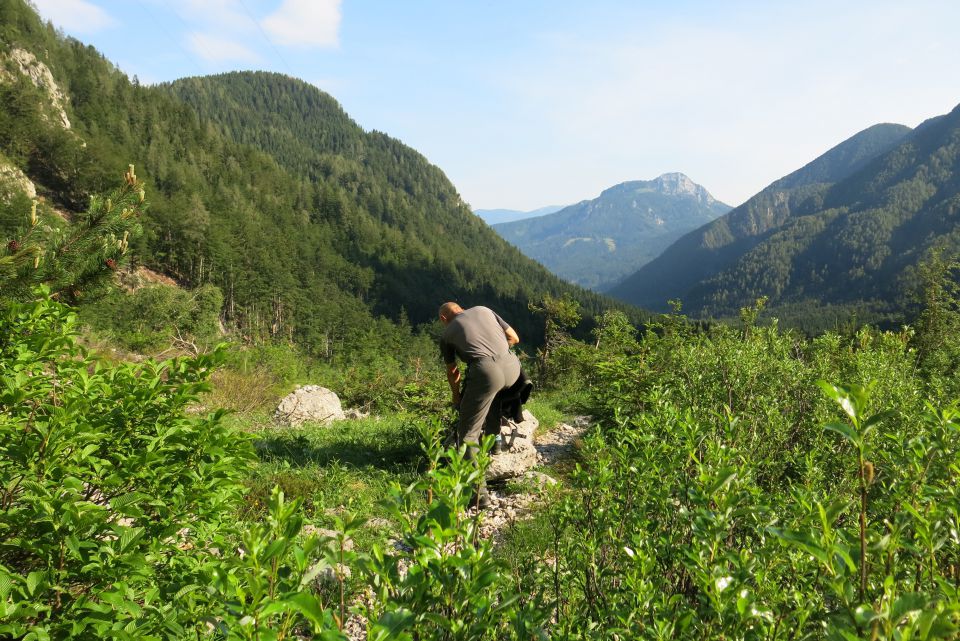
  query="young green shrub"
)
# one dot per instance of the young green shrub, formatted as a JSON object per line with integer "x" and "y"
{"x": 442, "y": 580}
{"x": 118, "y": 507}
{"x": 157, "y": 318}
{"x": 269, "y": 589}
{"x": 101, "y": 469}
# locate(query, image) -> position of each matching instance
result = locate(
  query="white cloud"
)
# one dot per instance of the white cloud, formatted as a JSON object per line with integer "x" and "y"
{"x": 305, "y": 23}
{"x": 735, "y": 104}
{"x": 216, "y": 49}
{"x": 223, "y": 15}
{"x": 75, "y": 16}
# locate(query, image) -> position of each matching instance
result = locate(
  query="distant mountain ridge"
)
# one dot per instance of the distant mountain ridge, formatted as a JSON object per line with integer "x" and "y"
{"x": 705, "y": 251}
{"x": 595, "y": 243}
{"x": 497, "y": 216}
{"x": 845, "y": 230}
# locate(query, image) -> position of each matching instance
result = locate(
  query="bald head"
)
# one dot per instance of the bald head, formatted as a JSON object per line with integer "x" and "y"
{"x": 448, "y": 311}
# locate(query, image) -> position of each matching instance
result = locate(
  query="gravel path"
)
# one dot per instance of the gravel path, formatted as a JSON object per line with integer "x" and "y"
{"x": 508, "y": 508}
{"x": 551, "y": 447}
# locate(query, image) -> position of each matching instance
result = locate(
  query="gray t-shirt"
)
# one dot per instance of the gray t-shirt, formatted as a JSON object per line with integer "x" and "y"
{"x": 473, "y": 334}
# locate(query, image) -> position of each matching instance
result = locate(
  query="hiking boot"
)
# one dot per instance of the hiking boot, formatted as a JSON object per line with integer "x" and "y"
{"x": 497, "y": 446}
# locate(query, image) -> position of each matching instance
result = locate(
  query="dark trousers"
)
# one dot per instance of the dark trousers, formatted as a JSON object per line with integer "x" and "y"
{"x": 484, "y": 380}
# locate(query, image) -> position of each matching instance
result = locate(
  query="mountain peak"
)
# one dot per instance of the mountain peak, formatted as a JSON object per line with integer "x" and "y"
{"x": 597, "y": 242}
{"x": 679, "y": 184}
{"x": 668, "y": 184}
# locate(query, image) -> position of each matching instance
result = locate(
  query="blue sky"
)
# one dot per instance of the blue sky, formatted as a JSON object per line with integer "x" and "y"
{"x": 527, "y": 103}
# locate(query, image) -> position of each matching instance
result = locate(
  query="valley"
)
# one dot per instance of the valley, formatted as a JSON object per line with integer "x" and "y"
{"x": 743, "y": 420}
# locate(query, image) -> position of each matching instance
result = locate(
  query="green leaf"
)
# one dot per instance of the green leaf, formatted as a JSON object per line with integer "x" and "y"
{"x": 844, "y": 430}
{"x": 865, "y": 614}
{"x": 392, "y": 624}
{"x": 308, "y": 605}
{"x": 122, "y": 501}
{"x": 724, "y": 477}
{"x": 847, "y": 559}
{"x": 129, "y": 536}
{"x": 830, "y": 390}
{"x": 909, "y": 603}
{"x": 184, "y": 591}
{"x": 274, "y": 549}
{"x": 6, "y": 584}
{"x": 34, "y": 580}
{"x": 312, "y": 573}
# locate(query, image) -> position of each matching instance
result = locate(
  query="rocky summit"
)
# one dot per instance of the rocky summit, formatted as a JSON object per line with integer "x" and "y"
{"x": 595, "y": 243}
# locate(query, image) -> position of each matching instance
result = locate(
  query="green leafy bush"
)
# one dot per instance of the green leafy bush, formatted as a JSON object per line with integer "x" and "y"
{"x": 156, "y": 317}
{"x": 721, "y": 497}
{"x": 442, "y": 581}
{"x": 119, "y": 507}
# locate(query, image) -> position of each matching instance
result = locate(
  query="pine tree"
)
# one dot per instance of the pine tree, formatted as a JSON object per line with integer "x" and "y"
{"x": 559, "y": 314}
{"x": 75, "y": 260}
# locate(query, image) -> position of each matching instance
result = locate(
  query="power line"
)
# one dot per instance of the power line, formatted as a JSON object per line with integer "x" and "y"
{"x": 266, "y": 37}
{"x": 187, "y": 27}
{"x": 176, "y": 42}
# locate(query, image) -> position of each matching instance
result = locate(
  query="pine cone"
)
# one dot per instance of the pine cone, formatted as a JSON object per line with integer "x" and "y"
{"x": 13, "y": 246}
{"x": 111, "y": 264}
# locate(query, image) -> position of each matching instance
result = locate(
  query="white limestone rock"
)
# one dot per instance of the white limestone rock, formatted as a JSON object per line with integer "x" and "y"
{"x": 39, "y": 74}
{"x": 519, "y": 453}
{"x": 13, "y": 180}
{"x": 309, "y": 403}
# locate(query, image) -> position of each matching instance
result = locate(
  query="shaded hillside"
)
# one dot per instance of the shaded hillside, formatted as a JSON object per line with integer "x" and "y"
{"x": 309, "y": 231}
{"x": 422, "y": 242}
{"x": 707, "y": 251}
{"x": 595, "y": 243}
{"x": 862, "y": 243}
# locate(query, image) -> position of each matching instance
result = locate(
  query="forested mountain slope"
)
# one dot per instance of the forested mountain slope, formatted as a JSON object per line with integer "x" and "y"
{"x": 706, "y": 251}
{"x": 308, "y": 225}
{"x": 406, "y": 221}
{"x": 595, "y": 243}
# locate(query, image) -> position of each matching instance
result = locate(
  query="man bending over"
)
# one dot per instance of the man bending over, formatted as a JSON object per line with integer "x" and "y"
{"x": 482, "y": 340}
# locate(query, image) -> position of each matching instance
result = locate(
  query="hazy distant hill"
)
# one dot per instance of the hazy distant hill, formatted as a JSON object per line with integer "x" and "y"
{"x": 497, "y": 216}
{"x": 597, "y": 242}
{"x": 846, "y": 229}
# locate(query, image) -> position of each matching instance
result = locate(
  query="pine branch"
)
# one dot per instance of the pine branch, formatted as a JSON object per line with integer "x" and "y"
{"x": 74, "y": 262}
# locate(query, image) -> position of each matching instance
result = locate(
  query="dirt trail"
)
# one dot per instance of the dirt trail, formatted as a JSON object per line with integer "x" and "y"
{"x": 551, "y": 447}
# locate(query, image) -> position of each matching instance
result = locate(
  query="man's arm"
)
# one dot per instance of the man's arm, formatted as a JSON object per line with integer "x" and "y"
{"x": 509, "y": 332}
{"x": 453, "y": 377}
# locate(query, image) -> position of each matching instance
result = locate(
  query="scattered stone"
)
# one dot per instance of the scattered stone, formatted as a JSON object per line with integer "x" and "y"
{"x": 400, "y": 546}
{"x": 539, "y": 480}
{"x": 504, "y": 510}
{"x": 519, "y": 453}
{"x": 324, "y": 533}
{"x": 309, "y": 403}
{"x": 556, "y": 443}
{"x": 333, "y": 574}
{"x": 355, "y": 414}
{"x": 378, "y": 522}
{"x": 581, "y": 422}
{"x": 355, "y": 628}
